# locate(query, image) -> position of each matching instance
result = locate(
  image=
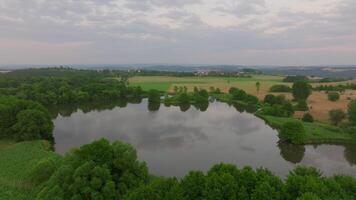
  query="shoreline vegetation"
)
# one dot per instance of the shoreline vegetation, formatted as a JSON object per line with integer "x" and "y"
{"x": 29, "y": 169}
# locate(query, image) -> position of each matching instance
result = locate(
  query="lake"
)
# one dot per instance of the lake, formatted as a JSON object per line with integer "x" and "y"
{"x": 173, "y": 142}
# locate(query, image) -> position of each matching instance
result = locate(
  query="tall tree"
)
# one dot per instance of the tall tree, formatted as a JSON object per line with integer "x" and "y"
{"x": 258, "y": 85}
{"x": 336, "y": 116}
{"x": 352, "y": 111}
{"x": 301, "y": 90}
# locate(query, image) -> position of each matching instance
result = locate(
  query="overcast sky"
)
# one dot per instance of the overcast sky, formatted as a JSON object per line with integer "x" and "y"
{"x": 248, "y": 32}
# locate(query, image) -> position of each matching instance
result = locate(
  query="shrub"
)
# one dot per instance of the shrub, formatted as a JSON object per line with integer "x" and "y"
{"x": 43, "y": 170}
{"x": 154, "y": 96}
{"x": 271, "y": 99}
{"x": 333, "y": 96}
{"x": 293, "y": 132}
{"x": 280, "y": 88}
{"x": 351, "y": 111}
{"x": 307, "y": 117}
{"x": 302, "y": 106}
{"x": 336, "y": 116}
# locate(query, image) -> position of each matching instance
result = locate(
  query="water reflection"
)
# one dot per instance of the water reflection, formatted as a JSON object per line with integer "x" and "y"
{"x": 292, "y": 153}
{"x": 173, "y": 142}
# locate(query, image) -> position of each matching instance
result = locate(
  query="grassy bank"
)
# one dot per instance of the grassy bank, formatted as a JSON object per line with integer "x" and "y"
{"x": 17, "y": 160}
{"x": 317, "y": 132}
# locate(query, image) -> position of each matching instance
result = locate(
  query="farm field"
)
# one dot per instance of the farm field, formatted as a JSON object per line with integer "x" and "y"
{"x": 318, "y": 101}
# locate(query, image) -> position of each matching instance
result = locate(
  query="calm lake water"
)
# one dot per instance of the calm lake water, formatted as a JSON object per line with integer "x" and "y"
{"x": 173, "y": 142}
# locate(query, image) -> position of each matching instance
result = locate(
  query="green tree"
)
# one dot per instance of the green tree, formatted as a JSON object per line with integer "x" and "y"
{"x": 193, "y": 185}
{"x": 333, "y": 96}
{"x": 307, "y": 117}
{"x": 308, "y": 196}
{"x": 32, "y": 124}
{"x": 154, "y": 96}
{"x": 336, "y": 116}
{"x": 351, "y": 111}
{"x": 158, "y": 189}
{"x": 301, "y": 90}
{"x": 293, "y": 132}
{"x": 258, "y": 85}
{"x": 99, "y": 170}
{"x": 302, "y": 106}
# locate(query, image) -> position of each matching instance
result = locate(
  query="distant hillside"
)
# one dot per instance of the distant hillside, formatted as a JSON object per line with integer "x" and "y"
{"x": 332, "y": 72}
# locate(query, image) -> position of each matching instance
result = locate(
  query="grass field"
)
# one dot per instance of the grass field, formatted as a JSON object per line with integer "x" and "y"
{"x": 316, "y": 132}
{"x": 17, "y": 161}
{"x": 318, "y": 101}
{"x": 167, "y": 84}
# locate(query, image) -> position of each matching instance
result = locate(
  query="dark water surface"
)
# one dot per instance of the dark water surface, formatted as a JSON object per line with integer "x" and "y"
{"x": 173, "y": 142}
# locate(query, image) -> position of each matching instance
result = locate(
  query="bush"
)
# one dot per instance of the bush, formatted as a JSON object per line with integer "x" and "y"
{"x": 271, "y": 99}
{"x": 43, "y": 170}
{"x": 307, "y": 117}
{"x": 336, "y": 116}
{"x": 154, "y": 96}
{"x": 280, "y": 88}
{"x": 302, "y": 106}
{"x": 285, "y": 110}
{"x": 293, "y": 132}
{"x": 351, "y": 111}
{"x": 333, "y": 96}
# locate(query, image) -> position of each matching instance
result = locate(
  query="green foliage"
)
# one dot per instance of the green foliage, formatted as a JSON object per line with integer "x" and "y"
{"x": 336, "y": 116}
{"x": 99, "y": 170}
{"x": 111, "y": 171}
{"x": 272, "y": 99}
{"x": 280, "y": 88}
{"x": 24, "y": 120}
{"x": 293, "y": 132}
{"x": 193, "y": 185}
{"x": 307, "y": 117}
{"x": 278, "y": 110}
{"x": 183, "y": 98}
{"x": 302, "y": 105}
{"x": 258, "y": 85}
{"x": 301, "y": 90}
{"x": 308, "y": 196}
{"x": 293, "y": 79}
{"x": 333, "y": 96}
{"x": 351, "y": 111}
{"x": 17, "y": 164}
{"x": 241, "y": 95}
{"x": 158, "y": 189}
{"x": 43, "y": 170}
{"x": 32, "y": 124}
{"x": 154, "y": 96}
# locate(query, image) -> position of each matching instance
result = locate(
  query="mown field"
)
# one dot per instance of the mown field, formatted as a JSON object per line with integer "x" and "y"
{"x": 17, "y": 161}
{"x": 318, "y": 101}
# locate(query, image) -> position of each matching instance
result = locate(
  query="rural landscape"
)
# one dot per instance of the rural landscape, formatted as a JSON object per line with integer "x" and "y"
{"x": 178, "y": 100}
{"x": 42, "y": 111}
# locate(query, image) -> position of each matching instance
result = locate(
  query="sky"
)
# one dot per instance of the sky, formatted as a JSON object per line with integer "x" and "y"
{"x": 239, "y": 32}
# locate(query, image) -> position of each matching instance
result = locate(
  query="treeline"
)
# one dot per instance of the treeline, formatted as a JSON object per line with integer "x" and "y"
{"x": 292, "y": 79}
{"x": 339, "y": 88}
{"x": 67, "y": 90}
{"x": 199, "y": 98}
{"x": 104, "y": 170}
{"x": 24, "y": 120}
